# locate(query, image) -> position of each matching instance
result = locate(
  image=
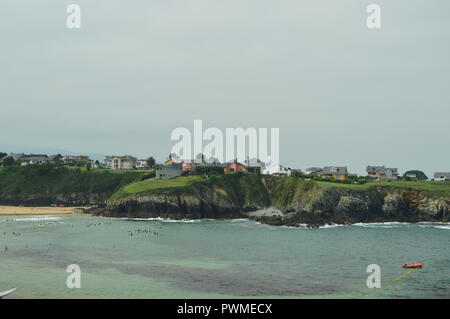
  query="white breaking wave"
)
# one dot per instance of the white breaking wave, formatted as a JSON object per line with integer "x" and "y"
{"x": 237, "y": 220}
{"x": 331, "y": 226}
{"x": 37, "y": 219}
{"x": 380, "y": 225}
{"x": 442, "y": 227}
{"x": 158, "y": 219}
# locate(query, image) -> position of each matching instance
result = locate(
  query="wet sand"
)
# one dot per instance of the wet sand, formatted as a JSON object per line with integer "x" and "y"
{"x": 19, "y": 210}
{"x": 270, "y": 211}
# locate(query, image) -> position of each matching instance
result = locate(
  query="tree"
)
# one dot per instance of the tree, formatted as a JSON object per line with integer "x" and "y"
{"x": 2, "y": 155}
{"x": 151, "y": 162}
{"x": 8, "y": 161}
{"x": 58, "y": 158}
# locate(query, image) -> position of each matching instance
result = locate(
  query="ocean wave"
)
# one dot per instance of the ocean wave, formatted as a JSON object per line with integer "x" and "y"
{"x": 36, "y": 219}
{"x": 158, "y": 219}
{"x": 306, "y": 226}
{"x": 332, "y": 225}
{"x": 237, "y": 220}
{"x": 299, "y": 226}
{"x": 442, "y": 227}
{"x": 380, "y": 225}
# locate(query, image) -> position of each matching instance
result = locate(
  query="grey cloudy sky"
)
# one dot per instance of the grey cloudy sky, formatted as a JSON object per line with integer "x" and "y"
{"x": 340, "y": 93}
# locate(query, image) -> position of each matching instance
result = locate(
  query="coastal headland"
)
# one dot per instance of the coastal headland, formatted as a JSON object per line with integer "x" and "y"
{"x": 288, "y": 201}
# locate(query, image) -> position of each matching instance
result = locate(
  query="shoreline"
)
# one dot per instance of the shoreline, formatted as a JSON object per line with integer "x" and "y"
{"x": 40, "y": 210}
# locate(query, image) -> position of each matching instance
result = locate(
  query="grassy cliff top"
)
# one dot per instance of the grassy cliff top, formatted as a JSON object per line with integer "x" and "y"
{"x": 238, "y": 188}
{"x": 435, "y": 189}
{"x": 152, "y": 185}
{"x": 286, "y": 187}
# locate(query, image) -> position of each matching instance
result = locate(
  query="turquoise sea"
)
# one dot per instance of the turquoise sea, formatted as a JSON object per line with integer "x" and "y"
{"x": 125, "y": 258}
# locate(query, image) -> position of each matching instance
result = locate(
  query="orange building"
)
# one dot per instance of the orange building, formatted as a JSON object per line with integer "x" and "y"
{"x": 235, "y": 167}
{"x": 187, "y": 166}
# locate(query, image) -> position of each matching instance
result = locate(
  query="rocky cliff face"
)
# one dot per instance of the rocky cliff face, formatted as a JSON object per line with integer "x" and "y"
{"x": 299, "y": 204}
{"x": 377, "y": 204}
{"x": 199, "y": 201}
{"x": 177, "y": 206}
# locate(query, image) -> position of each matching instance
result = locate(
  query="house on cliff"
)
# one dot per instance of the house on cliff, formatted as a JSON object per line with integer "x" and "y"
{"x": 235, "y": 167}
{"x": 382, "y": 173}
{"x": 25, "y": 160}
{"x": 415, "y": 175}
{"x": 141, "y": 164}
{"x": 441, "y": 177}
{"x": 121, "y": 162}
{"x": 168, "y": 172}
{"x": 278, "y": 170}
{"x": 77, "y": 159}
{"x": 335, "y": 172}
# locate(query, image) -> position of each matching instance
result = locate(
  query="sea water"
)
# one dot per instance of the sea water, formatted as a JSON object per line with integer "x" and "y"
{"x": 158, "y": 258}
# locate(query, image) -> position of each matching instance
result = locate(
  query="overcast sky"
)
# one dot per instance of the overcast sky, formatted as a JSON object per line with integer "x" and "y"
{"x": 341, "y": 94}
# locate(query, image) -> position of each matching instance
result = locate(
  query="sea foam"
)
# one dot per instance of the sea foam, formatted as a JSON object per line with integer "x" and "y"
{"x": 37, "y": 219}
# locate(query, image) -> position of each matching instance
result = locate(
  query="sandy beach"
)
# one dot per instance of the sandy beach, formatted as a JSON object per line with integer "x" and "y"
{"x": 19, "y": 210}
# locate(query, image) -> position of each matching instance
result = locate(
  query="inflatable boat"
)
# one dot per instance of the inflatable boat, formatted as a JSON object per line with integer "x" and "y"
{"x": 412, "y": 265}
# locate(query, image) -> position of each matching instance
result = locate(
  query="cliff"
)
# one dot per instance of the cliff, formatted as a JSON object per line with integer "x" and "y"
{"x": 301, "y": 202}
{"x": 225, "y": 196}
{"x": 44, "y": 185}
{"x": 134, "y": 194}
{"x": 315, "y": 204}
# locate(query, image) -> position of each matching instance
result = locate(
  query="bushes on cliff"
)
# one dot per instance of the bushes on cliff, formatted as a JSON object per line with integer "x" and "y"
{"x": 287, "y": 189}
{"x": 241, "y": 188}
{"x": 52, "y": 179}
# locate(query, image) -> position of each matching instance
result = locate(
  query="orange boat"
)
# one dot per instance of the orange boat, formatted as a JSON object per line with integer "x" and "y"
{"x": 412, "y": 265}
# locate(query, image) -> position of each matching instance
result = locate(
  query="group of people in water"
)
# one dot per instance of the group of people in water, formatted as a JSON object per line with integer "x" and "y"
{"x": 131, "y": 233}
{"x": 143, "y": 232}
{"x": 98, "y": 224}
{"x": 13, "y": 233}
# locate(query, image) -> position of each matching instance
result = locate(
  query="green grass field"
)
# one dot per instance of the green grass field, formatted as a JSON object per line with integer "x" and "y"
{"x": 150, "y": 185}
{"x": 432, "y": 188}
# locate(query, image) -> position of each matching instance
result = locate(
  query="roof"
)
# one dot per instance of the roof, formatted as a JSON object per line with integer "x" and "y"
{"x": 334, "y": 170}
{"x": 374, "y": 169}
{"x": 235, "y": 164}
{"x": 274, "y": 169}
{"x": 313, "y": 169}
{"x": 442, "y": 174}
{"x": 123, "y": 157}
{"x": 169, "y": 168}
{"x": 416, "y": 173}
{"x": 15, "y": 156}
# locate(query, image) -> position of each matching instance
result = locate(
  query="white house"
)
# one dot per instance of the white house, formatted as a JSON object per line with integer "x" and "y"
{"x": 141, "y": 164}
{"x": 277, "y": 170}
{"x": 168, "y": 172}
{"x": 441, "y": 177}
